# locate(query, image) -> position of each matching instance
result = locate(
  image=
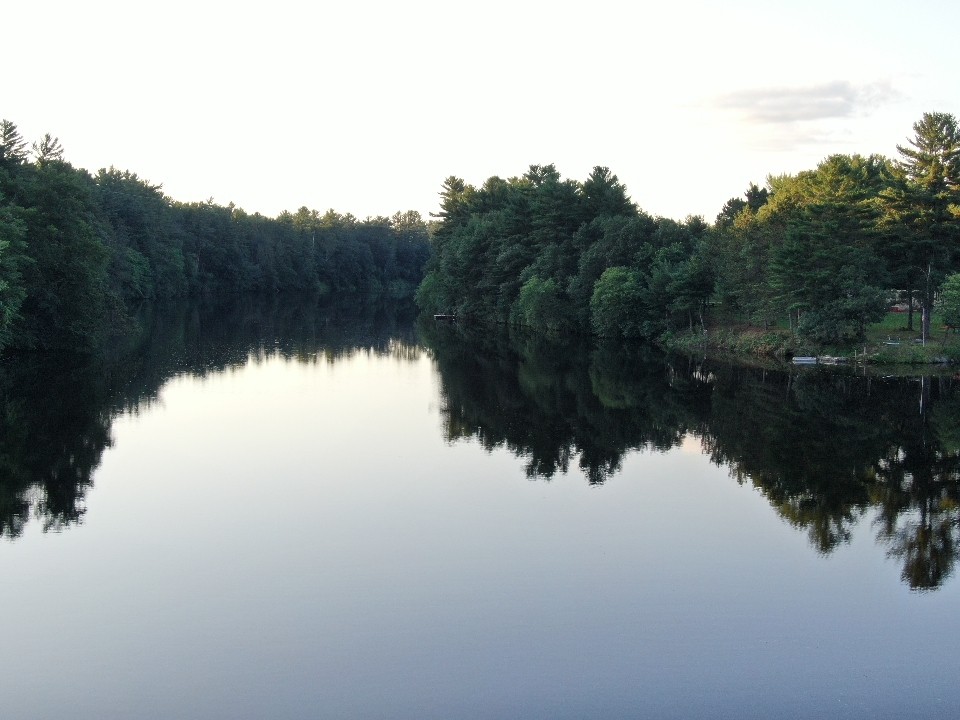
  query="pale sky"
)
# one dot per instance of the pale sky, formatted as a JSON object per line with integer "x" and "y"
{"x": 366, "y": 106}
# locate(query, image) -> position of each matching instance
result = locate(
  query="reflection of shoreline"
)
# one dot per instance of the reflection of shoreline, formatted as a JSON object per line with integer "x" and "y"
{"x": 824, "y": 449}
{"x": 821, "y": 447}
{"x": 56, "y": 411}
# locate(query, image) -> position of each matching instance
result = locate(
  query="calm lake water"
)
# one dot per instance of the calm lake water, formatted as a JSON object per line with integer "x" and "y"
{"x": 290, "y": 510}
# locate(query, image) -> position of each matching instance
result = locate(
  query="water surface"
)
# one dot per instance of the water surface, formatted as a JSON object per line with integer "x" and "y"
{"x": 291, "y": 510}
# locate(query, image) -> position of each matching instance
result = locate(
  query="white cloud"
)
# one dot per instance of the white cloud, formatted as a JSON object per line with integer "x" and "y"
{"x": 829, "y": 100}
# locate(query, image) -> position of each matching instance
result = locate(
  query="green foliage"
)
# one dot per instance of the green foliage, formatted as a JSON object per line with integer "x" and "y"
{"x": 741, "y": 256}
{"x": 811, "y": 253}
{"x": 950, "y": 301}
{"x": 47, "y": 150}
{"x": 433, "y": 292}
{"x": 78, "y": 253}
{"x": 616, "y": 296}
{"x": 921, "y": 213}
{"x": 541, "y": 305}
{"x": 68, "y": 303}
{"x": 603, "y": 243}
{"x": 834, "y": 289}
{"x": 534, "y": 250}
{"x": 13, "y": 148}
{"x": 756, "y": 198}
{"x": 147, "y": 259}
{"x": 12, "y": 292}
{"x": 734, "y": 341}
{"x": 603, "y": 194}
{"x": 932, "y": 161}
{"x": 818, "y": 252}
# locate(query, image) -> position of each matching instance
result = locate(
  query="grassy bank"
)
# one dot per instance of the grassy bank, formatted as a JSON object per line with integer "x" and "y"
{"x": 887, "y": 342}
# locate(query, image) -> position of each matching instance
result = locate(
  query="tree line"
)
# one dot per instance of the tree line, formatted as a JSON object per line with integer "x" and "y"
{"x": 79, "y": 252}
{"x": 823, "y": 252}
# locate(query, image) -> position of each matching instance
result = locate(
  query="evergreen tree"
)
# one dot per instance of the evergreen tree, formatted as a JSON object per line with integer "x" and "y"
{"x": 924, "y": 202}
{"x": 68, "y": 301}
{"x": 48, "y": 150}
{"x": 12, "y": 293}
{"x": 13, "y": 148}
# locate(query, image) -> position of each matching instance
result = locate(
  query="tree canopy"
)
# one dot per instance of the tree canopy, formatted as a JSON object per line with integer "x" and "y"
{"x": 78, "y": 251}
{"x": 532, "y": 250}
{"x": 823, "y": 252}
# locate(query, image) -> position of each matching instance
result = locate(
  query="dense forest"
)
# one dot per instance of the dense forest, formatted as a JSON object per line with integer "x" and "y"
{"x": 80, "y": 252}
{"x": 822, "y": 253}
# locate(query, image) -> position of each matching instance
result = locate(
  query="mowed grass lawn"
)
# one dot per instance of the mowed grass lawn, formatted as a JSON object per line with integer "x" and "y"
{"x": 882, "y": 338}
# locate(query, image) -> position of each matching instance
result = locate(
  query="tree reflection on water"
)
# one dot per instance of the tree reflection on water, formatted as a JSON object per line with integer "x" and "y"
{"x": 825, "y": 448}
{"x": 56, "y": 411}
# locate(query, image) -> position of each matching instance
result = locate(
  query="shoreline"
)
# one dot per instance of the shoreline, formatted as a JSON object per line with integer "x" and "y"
{"x": 746, "y": 343}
